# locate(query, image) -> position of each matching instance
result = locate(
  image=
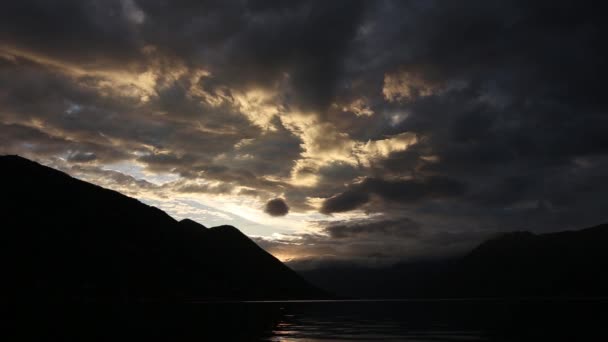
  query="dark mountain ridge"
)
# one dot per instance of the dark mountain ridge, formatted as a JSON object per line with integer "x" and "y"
{"x": 568, "y": 263}
{"x": 64, "y": 238}
{"x": 516, "y": 264}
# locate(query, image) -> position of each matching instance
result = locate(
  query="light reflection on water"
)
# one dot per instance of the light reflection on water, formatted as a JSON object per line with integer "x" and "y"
{"x": 435, "y": 321}
{"x": 361, "y": 321}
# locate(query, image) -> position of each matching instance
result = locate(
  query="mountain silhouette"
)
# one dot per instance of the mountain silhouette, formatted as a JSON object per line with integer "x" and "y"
{"x": 63, "y": 238}
{"x": 517, "y": 264}
{"x": 568, "y": 263}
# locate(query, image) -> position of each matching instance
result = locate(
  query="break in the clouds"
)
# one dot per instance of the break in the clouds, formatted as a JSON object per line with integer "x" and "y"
{"x": 389, "y": 127}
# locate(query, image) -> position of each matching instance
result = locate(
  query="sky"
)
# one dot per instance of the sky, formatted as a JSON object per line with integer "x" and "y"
{"x": 360, "y": 131}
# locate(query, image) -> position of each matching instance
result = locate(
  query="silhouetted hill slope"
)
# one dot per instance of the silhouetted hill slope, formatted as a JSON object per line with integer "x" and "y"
{"x": 520, "y": 264}
{"x": 65, "y": 238}
{"x": 569, "y": 263}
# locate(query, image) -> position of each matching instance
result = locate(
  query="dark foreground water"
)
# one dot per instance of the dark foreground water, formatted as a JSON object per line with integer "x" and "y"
{"x": 444, "y": 320}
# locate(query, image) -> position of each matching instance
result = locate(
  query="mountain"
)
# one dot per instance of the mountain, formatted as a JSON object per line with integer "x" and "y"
{"x": 517, "y": 264}
{"x": 569, "y": 263}
{"x": 63, "y": 238}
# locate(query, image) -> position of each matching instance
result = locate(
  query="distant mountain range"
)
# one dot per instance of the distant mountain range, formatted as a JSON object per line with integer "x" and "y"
{"x": 568, "y": 263}
{"x": 518, "y": 264}
{"x": 63, "y": 239}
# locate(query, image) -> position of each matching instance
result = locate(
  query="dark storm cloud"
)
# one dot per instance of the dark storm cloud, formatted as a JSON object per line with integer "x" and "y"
{"x": 514, "y": 103}
{"x": 346, "y": 201}
{"x": 304, "y": 40}
{"x": 276, "y": 207}
{"x": 87, "y": 32}
{"x": 404, "y": 191}
{"x": 404, "y": 227}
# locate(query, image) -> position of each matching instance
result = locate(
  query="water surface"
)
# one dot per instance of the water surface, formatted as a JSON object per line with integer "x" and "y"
{"x": 442, "y": 320}
{"x": 416, "y": 320}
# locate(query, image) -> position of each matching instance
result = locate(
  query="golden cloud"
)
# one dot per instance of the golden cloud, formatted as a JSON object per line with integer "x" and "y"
{"x": 404, "y": 86}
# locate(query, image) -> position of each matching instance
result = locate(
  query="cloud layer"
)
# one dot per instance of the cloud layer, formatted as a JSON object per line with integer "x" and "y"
{"x": 367, "y": 118}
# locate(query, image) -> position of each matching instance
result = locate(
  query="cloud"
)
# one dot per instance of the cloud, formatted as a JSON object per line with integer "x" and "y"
{"x": 276, "y": 207}
{"x": 348, "y": 200}
{"x": 133, "y": 12}
{"x": 406, "y": 86}
{"x": 403, "y": 227}
{"x": 403, "y": 191}
{"x": 359, "y": 107}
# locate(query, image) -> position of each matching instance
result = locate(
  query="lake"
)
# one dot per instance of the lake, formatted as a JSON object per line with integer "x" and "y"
{"x": 403, "y": 320}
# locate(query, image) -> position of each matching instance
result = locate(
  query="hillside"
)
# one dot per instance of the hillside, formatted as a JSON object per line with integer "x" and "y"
{"x": 517, "y": 264}
{"x": 68, "y": 239}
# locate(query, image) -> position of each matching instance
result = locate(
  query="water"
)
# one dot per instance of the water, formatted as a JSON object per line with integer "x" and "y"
{"x": 420, "y": 321}
{"x": 375, "y": 321}
{"x": 442, "y": 320}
